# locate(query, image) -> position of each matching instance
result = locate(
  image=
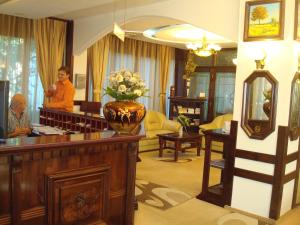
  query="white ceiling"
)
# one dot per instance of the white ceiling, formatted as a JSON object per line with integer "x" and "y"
{"x": 80, "y": 9}
{"x": 67, "y": 9}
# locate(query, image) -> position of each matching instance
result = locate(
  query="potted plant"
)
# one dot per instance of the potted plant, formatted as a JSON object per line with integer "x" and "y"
{"x": 184, "y": 121}
{"x": 124, "y": 114}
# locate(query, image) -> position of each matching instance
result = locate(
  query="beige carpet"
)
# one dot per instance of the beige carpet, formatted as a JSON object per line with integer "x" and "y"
{"x": 187, "y": 177}
{"x": 186, "y": 174}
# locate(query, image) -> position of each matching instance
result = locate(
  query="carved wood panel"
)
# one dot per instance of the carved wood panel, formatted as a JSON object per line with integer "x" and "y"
{"x": 78, "y": 196}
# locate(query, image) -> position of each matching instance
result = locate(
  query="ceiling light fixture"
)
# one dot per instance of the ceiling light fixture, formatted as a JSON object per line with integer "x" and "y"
{"x": 203, "y": 49}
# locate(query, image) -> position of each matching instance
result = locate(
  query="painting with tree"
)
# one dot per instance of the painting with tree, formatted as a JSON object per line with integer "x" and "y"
{"x": 263, "y": 20}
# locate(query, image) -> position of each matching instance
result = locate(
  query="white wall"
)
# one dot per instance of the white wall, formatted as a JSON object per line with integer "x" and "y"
{"x": 217, "y": 16}
{"x": 80, "y": 63}
{"x": 282, "y": 63}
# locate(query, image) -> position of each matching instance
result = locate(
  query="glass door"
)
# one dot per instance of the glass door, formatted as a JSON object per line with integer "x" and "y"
{"x": 199, "y": 83}
{"x": 224, "y": 93}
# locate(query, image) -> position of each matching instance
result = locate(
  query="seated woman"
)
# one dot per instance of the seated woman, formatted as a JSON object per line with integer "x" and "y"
{"x": 18, "y": 121}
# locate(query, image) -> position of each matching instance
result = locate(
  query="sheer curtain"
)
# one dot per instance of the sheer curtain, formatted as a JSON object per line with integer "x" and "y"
{"x": 142, "y": 57}
{"x": 18, "y": 61}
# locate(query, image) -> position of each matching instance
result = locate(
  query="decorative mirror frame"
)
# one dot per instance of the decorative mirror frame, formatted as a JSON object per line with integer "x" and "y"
{"x": 293, "y": 131}
{"x": 259, "y": 130}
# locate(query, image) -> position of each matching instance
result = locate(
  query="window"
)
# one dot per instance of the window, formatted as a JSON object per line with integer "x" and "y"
{"x": 214, "y": 76}
{"x": 200, "y": 84}
{"x": 19, "y": 66}
{"x": 224, "y": 93}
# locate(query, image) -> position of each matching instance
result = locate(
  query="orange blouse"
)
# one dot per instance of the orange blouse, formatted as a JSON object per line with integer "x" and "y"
{"x": 62, "y": 97}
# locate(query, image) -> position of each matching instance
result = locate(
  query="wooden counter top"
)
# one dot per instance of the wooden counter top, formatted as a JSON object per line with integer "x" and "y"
{"x": 22, "y": 144}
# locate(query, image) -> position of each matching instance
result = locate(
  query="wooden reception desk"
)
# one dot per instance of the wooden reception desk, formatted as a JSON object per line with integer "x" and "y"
{"x": 63, "y": 180}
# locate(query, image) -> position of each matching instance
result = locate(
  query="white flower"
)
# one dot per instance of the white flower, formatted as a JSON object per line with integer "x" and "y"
{"x": 119, "y": 78}
{"x": 138, "y": 92}
{"x": 122, "y": 88}
{"x": 133, "y": 80}
{"x": 127, "y": 76}
{"x": 136, "y": 75}
{"x": 112, "y": 78}
{"x": 141, "y": 83}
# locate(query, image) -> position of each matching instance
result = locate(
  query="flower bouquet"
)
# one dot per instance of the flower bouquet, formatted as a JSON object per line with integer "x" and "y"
{"x": 125, "y": 85}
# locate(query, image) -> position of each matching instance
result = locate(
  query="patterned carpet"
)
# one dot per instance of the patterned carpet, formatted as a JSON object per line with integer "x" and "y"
{"x": 159, "y": 196}
{"x": 183, "y": 157}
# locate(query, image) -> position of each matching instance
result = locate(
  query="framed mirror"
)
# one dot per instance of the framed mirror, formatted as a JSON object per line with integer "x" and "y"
{"x": 259, "y": 104}
{"x": 294, "y": 119}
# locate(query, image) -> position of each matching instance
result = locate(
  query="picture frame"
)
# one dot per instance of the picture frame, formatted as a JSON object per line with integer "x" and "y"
{"x": 80, "y": 81}
{"x": 297, "y": 21}
{"x": 264, "y": 20}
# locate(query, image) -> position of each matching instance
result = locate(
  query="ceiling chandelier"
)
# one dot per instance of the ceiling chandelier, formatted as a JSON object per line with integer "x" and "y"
{"x": 203, "y": 49}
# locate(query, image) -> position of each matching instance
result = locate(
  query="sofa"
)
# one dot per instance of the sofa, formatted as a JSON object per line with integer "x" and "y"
{"x": 217, "y": 123}
{"x": 156, "y": 123}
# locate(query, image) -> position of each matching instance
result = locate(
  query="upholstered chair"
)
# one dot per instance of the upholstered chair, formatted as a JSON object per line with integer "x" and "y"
{"x": 156, "y": 123}
{"x": 217, "y": 123}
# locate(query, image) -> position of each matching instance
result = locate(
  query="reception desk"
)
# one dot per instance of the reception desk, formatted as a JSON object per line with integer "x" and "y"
{"x": 63, "y": 180}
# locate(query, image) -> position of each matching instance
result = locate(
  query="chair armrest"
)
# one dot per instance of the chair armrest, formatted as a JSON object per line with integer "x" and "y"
{"x": 171, "y": 125}
{"x": 208, "y": 126}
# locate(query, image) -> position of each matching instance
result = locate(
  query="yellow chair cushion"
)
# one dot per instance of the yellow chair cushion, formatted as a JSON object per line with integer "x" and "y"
{"x": 156, "y": 123}
{"x": 217, "y": 123}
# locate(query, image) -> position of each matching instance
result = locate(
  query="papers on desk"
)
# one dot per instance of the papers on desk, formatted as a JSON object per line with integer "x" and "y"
{"x": 46, "y": 130}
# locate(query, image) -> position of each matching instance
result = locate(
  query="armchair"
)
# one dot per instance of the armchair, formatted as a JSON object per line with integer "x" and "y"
{"x": 156, "y": 123}
{"x": 217, "y": 123}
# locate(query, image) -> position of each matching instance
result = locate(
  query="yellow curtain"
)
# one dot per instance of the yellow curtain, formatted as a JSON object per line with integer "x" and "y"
{"x": 165, "y": 54}
{"x": 152, "y": 61}
{"x": 98, "y": 59}
{"x": 50, "y": 38}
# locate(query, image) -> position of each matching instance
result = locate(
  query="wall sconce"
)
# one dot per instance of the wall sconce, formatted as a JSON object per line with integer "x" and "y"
{"x": 234, "y": 61}
{"x": 260, "y": 61}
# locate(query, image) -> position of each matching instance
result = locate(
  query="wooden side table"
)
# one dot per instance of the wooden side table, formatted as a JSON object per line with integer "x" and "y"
{"x": 178, "y": 140}
{"x": 219, "y": 194}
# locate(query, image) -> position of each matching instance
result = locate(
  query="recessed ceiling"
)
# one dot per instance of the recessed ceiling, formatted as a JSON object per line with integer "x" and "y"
{"x": 182, "y": 33}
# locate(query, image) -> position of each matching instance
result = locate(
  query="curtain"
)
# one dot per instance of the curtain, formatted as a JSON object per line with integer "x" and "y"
{"x": 18, "y": 61}
{"x": 142, "y": 57}
{"x": 50, "y": 38}
{"x": 165, "y": 55}
{"x": 98, "y": 55}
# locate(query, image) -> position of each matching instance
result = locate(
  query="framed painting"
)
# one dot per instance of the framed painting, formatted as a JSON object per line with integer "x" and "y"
{"x": 264, "y": 20}
{"x": 297, "y": 21}
{"x": 80, "y": 81}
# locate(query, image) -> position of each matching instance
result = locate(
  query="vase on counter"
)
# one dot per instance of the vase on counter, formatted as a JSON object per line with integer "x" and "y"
{"x": 124, "y": 117}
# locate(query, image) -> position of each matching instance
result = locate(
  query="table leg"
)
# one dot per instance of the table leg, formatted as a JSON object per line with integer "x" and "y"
{"x": 177, "y": 148}
{"x": 161, "y": 145}
{"x": 198, "y": 147}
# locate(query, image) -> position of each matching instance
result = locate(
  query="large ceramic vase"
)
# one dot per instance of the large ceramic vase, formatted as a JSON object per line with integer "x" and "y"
{"x": 124, "y": 116}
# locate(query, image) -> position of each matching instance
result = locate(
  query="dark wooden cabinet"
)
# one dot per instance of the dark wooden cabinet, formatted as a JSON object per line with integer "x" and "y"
{"x": 193, "y": 108}
{"x": 219, "y": 194}
{"x": 79, "y": 122}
